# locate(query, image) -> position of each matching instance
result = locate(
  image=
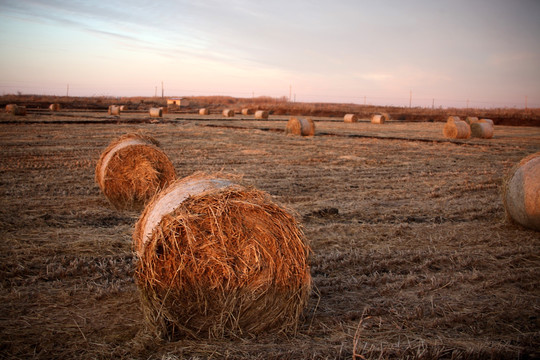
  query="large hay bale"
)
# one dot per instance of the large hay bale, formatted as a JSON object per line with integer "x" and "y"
{"x": 15, "y": 109}
{"x": 156, "y": 112}
{"x": 217, "y": 259}
{"x": 482, "y": 130}
{"x": 123, "y": 108}
{"x": 456, "y": 129}
{"x": 114, "y": 110}
{"x": 521, "y": 192}
{"x": 204, "y": 111}
{"x": 228, "y": 113}
{"x": 247, "y": 111}
{"x": 380, "y": 118}
{"x": 131, "y": 170}
{"x": 300, "y": 126}
{"x": 451, "y": 119}
{"x": 489, "y": 121}
{"x": 54, "y": 107}
{"x": 350, "y": 118}
{"x": 471, "y": 120}
{"x": 261, "y": 114}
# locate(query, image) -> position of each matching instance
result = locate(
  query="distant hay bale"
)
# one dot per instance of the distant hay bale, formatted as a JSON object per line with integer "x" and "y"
{"x": 456, "y": 129}
{"x": 15, "y": 109}
{"x": 521, "y": 192}
{"x": 300, "y": 126}
{"x": 114, "y": 110}
{"x": 228, "y": 113}
{"x": 164, "y": 110}
{"x": 156, "y": 112}
{"x": 489, "y": 121}
{"x": 452, "y": 119}
{"x": 123, "y": 107}
{"x": 204, "y": 111}
{"x": 471, "y": 120}
{"x": 247, "y": 111}
{"x": 131, "y": 170}
{"x": 261, "y": 114}
{"x": 482, "y": 130}
{"x": 216, "y": 259}
{"x": 380, "y": 118}
{"x": 54, "y": 107}
{"x": 350, "y": 118}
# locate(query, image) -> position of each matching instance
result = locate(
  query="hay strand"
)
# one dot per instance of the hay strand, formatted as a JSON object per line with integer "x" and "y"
{"x": 482, "y": 130}
{"x": 300, "y": 126}
{"x": 228, "y": 113}
{"x": 131, "y": 170}
{"x": 219, "y": 260}
{"x": 261, "y": 114}
{"x": 156, "y": 112}
{"x": 350, "y": 118}
{"x": 521, "y": 192}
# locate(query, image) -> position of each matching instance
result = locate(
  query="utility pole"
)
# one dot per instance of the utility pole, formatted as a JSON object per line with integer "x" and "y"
{"x": 433, "y": 104}
{"x": 467, "y": 103}
{"x": 162, "y": 91}
{"x": 155, "y": 92}
{"x": 410, "y": 98}
{"x": 364, "y": 99}
{"x": 290, "y": 92}
{"x": 67, "y": 94}
{"x": 525, "y": 102}
{"x": 294, "y": 97}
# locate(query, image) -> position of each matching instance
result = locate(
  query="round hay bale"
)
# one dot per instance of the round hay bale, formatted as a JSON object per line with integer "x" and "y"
{"x": 489, "y": 121}
{"x": 156, "y": 112}
{"x": 204, "y": 111}
{"x": 261, "y": 114}
{"x": 164, "y": 110}
{"x": 123, "y": 107}
{"x": 11, "y": 108}
{"x": 471, "y": 120}
{"x": 228, "y": 113}
{"x": 452, "y": 119}
{"x": 350, "y": 118}
{"x": 54, "y": 107}
{"x": 114, "y": 110}
{"x": 131, "y": 170}
{"x": 247, "y": 111}
{"x": 482, "y": 130}
{"x": 521, "y": 192}
{"x": 216, "y": 259}
{"x": 300, "y": 126}
{"x": 380, "y": 118}
{"x": 456, "y": 129}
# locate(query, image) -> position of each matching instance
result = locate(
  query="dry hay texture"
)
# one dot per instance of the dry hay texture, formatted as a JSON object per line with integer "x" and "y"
{"x": 219, "y": 260}
{"x": 482, "y": 130}
{"x": 114, "y": 110}
{"x": 204, "y": 111}
{"x": 228, "y": 113}
{"x": 300, "y": 126}
{"x": 350, "y": 118}
{"x": 15, "y": 109}
{"x": 131, "y": 170}
{"x": 380, "y": 118}
{"x": 521, "y": 192}
{"x": 261, "y": 114}
{"x": 156, "y": 112}
{"x": 456, "y": 128}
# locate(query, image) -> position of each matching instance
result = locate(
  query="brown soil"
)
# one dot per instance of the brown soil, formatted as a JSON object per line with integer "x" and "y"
{"x": 412, "y": 256}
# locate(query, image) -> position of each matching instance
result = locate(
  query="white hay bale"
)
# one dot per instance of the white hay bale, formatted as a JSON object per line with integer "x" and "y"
{"x": 521, "y": 192}
{"x": 261, "y": 114}
{"x": 156, "y": 112}
{"x": 228, "y": 113}
{"x": 350, "y": 118}
{"x": 482, "y": 130}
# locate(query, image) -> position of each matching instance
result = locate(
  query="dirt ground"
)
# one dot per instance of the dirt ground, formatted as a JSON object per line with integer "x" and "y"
{"x": 412, "y": 256}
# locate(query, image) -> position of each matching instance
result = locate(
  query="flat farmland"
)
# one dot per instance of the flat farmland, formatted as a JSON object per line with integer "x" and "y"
{"x": 411, "y": 254}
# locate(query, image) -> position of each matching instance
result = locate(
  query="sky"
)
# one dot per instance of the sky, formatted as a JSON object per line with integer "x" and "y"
{"x": 449, "y": 53}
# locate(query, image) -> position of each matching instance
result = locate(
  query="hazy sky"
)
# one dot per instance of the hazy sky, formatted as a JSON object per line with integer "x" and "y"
{"x": 484, "y": 51}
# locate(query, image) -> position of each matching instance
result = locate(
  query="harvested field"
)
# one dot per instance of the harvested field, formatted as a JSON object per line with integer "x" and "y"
{"x": 412, "y": 256}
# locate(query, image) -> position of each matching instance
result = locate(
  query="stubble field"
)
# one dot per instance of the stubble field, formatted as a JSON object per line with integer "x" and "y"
{"x": 411, "y": 253}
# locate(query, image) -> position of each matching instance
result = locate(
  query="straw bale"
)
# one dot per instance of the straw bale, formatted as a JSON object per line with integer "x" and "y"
{"x": 15, "y": 109}
{"x": 261, "y": 114}
{"x": 456, "y": 129}
{"x": 11, "y": 108}
{"x": 350, "y": 118}
{"x": 471, "y": 120}
{"x": 164, "y": 110}
{"x": 300, "y": 126}
{"x": 123, "y": 107}
{"x": 156, "y": 112}
{"x": 54, "y": 107}
{"x": 380, "y": 118}
{"x": 452, "y": 119}
{"x": 216, "y": 259}
{"x": 482, "y": 130}
{"x": 131, "y": 170}
{"x": 247, "y": 111}
{"x": 114, "y": 110}
{"x": 521, "y": 192}
{"x": 489, "y": 121}
{"x": 204, "y": 111}
{"x": 228, "y": 113}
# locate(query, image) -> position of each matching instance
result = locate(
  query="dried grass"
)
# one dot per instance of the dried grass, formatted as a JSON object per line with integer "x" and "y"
{"x": 225, "y": 261}
{"x": 156, "y": 112}
{"x": 261, "y": 114}
{"x": 350, "y": 118}
{"x": 131, "y": 170}
{"x": 521, "y": 192}
{"x": 300, "y": 126}
{"x": 482, "y": 130}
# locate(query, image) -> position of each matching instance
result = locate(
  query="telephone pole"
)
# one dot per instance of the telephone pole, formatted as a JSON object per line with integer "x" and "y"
{"x": 162, "y": 91}
{"x": 410, "y": 98}
{"x": 290, "y": 93}
{"x": 67, "y": 94}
